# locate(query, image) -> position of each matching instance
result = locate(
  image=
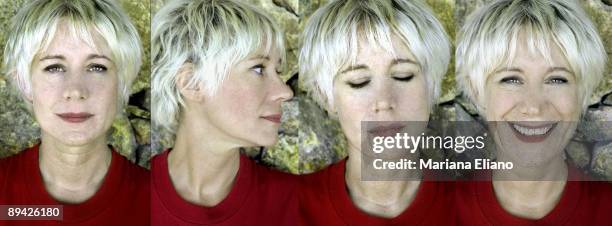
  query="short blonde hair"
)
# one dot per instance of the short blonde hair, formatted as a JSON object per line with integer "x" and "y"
{"x": 489, "y": 38}
{"x": 35, "y": 25}
{"x": 214, "y": 36}
{"x": 332, "y": 34}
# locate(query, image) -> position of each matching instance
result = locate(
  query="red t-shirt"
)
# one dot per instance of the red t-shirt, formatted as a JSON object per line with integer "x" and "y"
{"x": 122, "y": 199}
{"x": 324, "y": 200}
{"x": 259, "y": 196}
{"x": 582, "y": 203}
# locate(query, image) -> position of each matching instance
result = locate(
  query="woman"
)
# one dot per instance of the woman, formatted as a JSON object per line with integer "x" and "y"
{"x": 216, "y": 87}
{"x": 73, "y": 63}
{"x": 397, "y": 55}
{"x": 541, "y": 61}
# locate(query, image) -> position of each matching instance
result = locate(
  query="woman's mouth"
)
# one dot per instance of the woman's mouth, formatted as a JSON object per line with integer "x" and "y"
{"x": 532, "y": 134}
{"x": 276, "y": 118}
{"x": 386, "y": 130}
{"x": 75, "y": 117}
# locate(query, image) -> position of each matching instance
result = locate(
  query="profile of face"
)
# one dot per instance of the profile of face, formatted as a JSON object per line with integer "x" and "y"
{"x": 534, "y": 105}
{"x": 74, "y": 88}
{"x": 380, "y": 86}
{"x": 247, "y": 106}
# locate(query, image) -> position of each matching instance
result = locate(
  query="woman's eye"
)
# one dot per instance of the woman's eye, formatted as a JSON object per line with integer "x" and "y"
{"x": 54, "y": 68}
{"x": 258, "y": 69}
{"x": 557, "y": 80}
{"x": 403, "y": 78}
{"x": 511, "y": 80}
{"x": 357, "y": 85}
{"x": 96, "y": 68}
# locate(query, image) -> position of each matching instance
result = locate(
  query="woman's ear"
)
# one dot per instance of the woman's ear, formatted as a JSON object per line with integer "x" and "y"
{"x": 188, "y": 89}
{"x": 331, "y": 109}
{"x": 28, "y": 95}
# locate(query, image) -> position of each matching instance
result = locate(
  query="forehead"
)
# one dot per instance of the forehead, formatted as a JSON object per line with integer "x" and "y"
{"x": 534, "y": 51}
{"x": 271, "y": 54}
{"x": 69, "y": 39}
{"x": 370, "y": 51}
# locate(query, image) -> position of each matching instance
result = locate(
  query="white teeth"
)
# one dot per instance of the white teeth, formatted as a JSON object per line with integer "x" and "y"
{"x": 531, "y": 132}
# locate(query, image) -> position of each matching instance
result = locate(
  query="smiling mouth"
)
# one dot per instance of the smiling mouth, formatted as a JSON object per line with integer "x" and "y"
{"x": 75, "y": 117}
{"x": 532, "y": 134}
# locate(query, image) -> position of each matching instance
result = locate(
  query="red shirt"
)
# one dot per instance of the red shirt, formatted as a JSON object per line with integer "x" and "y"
{"x": 582, "y": 203}
{"x": 259, "y": 196}
{"x": 324, "y": 200}
{"x": 122, "y": 199}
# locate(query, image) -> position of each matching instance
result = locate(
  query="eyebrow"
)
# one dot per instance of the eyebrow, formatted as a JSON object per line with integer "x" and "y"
{"x": 551, "y": 69}
{"x": 354, "y": 68}
{"x": 257, "y": 57}
{"x": 403, "y": 60}
{"x": 265, "y": 57}
{"x": 559, "y": 69}
{"x": 514, "y": 69}
{"x": 394, "y": 62}
{"x": 61, "y": 57}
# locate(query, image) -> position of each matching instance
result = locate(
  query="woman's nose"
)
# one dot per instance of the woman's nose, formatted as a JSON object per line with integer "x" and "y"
{"x": 533, "y": 101}
{"x": 281, "y": 91}
{"x": 383, "y": 98}
{"x": 75, "y": 89}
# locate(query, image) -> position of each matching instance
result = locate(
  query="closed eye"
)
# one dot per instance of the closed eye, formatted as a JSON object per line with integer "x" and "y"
{"x": 55, "y": 68}
{"x": 99, "y": 68}
{"x": 404, "y": 78}
{"x": 357, "y": 85}
{"x": 515, "y": 80}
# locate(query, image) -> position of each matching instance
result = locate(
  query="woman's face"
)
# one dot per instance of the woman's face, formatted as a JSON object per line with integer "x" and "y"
{"x": 535, "y": 105}
{"x": 380, "y": 86}
{"x": 74, "y": 89}
{"x": 247, "y": 107}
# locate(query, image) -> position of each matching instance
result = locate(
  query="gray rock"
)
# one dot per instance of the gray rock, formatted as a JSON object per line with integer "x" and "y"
{"x": 597, "y": 124}
{"x": 579, "y": 153}
{"x": 602, "y": 160}
{"x": 321, "y": 141}
{"x": 607, "y": 100}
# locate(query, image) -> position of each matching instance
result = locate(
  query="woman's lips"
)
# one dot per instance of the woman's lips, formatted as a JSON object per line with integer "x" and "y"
{"x": 532, "y": 134}
{"x": 75, "y": 117}
{"x": 276, "y": 118}
{"x": 386, "y": 130}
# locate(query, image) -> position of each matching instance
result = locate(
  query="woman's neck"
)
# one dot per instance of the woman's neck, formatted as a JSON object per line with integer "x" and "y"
{"x": 202, "y": 166}
{"x": 73, "y": 174}
{"x": 386, "y": 199}
{"x": 536, "y": 196}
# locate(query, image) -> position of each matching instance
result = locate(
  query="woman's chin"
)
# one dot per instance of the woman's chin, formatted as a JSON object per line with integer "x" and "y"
{"x": 76, "y": 139}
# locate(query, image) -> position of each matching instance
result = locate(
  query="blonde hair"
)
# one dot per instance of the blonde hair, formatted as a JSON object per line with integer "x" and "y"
{"x": 332, "y": 33}
{"x": 35, "y": 25}
{"x": 212, "y": 35}
{"x": 489, "y": 38}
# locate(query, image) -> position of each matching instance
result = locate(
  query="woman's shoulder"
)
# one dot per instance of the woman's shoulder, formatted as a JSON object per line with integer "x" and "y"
{"x": 8, "y": 163}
